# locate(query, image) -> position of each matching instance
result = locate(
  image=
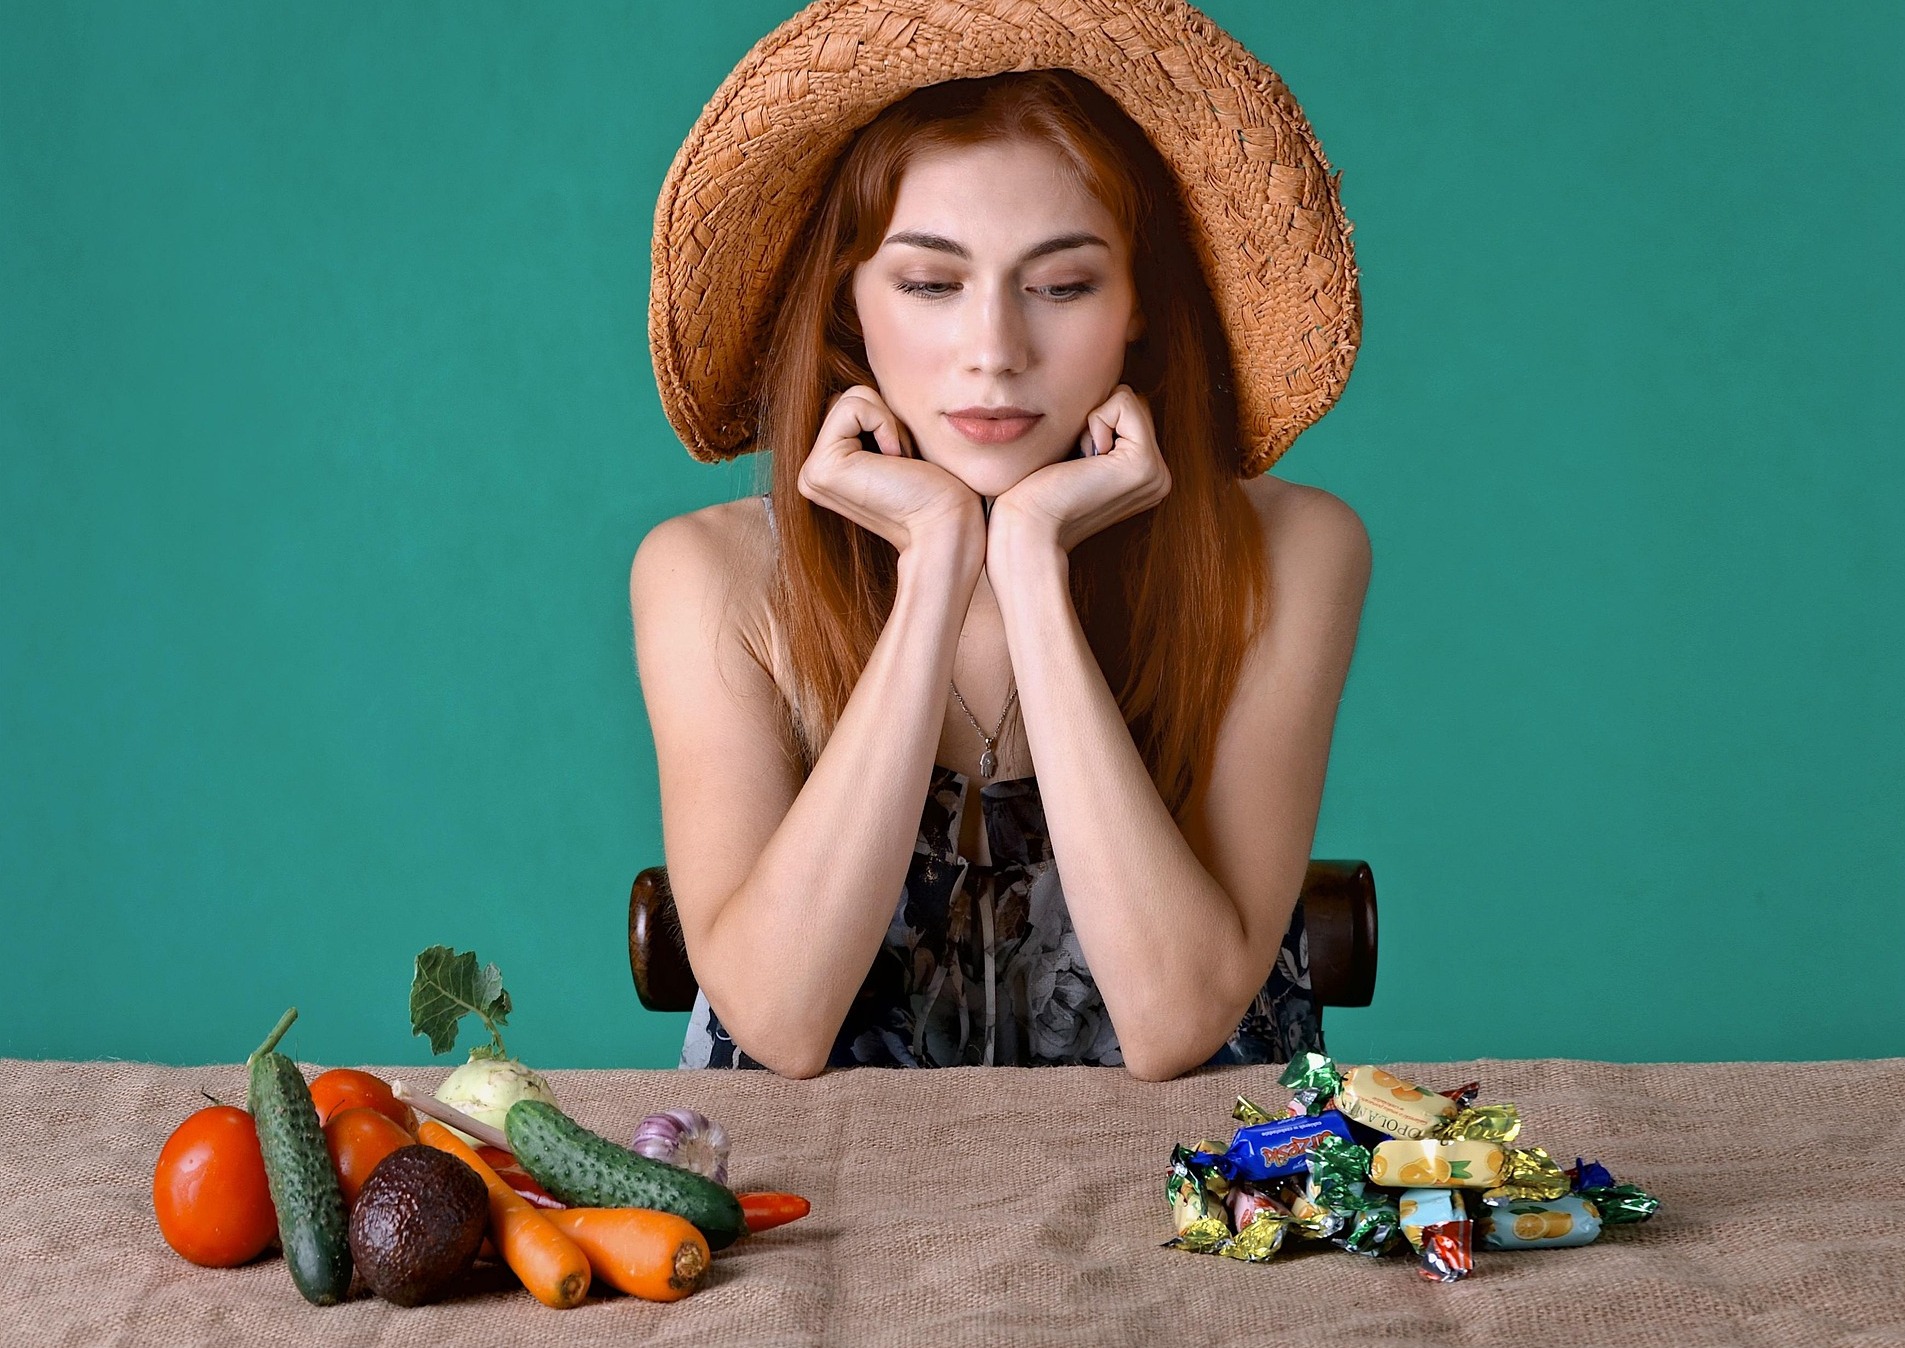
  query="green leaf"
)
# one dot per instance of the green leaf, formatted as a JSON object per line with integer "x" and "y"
{"x": 449, "y": 986}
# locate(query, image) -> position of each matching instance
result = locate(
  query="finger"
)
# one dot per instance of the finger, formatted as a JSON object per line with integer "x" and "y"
{"x": 886, "y": 431}
{"x": 860, "y": 415}
{"x": 877, "y": 417}
{"x": 1124, "y": 418}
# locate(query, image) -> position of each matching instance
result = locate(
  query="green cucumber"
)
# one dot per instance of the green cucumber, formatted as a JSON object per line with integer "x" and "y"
{"x": 584, "y": 1169}
{"x": 312, "y": 1223}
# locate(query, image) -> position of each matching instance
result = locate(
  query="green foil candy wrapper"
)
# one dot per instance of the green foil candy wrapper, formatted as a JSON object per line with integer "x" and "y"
{"x": 1482, "y": 1123}
{"x": 1529, "y": 1173}
{"x": 1312, "y": 1071}
{"x": 1337, "y": 1172}
{"x": 1363, "y": 1222}
{"x": 1311, "y": 1101}
{"x": 1373, "y": 1229}
{"x": 1201, "y": 1223}
{"x": 1190, "y": 1201}
{"x": 1621, "y": 1203}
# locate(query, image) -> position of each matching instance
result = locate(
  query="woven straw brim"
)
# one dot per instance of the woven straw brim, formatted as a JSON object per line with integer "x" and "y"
{"x": 1265, "y": 212}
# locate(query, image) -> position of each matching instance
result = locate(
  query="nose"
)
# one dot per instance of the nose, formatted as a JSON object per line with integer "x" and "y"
{"x": 998, "y": 338}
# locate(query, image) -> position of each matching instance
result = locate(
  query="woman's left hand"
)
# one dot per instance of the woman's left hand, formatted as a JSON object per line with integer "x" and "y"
{"x": 1120, "y": 475}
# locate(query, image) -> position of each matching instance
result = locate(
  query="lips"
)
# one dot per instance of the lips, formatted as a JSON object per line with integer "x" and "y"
{"x": 990, "y": 429}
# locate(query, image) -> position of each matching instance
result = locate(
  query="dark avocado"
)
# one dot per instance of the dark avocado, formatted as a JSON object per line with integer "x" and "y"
{"x": 417, "y": 1224}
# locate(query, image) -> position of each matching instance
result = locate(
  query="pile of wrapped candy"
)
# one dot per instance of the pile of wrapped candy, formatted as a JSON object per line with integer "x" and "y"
{"x": 1367, "y": 1161}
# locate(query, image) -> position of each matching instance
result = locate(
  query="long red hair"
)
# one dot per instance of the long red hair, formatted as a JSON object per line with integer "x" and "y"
{"x": 1169, "y": 599}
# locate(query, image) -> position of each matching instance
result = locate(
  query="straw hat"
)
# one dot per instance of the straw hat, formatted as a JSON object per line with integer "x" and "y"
{"x": 1265, "y": 216}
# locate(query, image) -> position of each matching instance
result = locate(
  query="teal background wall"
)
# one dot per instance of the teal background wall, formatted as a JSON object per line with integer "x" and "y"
{"x": 329, "y": 430}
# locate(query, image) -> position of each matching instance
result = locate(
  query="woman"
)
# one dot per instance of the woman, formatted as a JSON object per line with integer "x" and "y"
{"x": 1058, "y": 605}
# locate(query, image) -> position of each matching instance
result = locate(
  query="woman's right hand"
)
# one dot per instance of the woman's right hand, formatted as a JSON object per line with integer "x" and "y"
{"x": 894, "y": 493}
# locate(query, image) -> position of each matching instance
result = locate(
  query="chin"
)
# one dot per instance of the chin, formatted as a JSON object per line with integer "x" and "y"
{"x": 991, "y": 471}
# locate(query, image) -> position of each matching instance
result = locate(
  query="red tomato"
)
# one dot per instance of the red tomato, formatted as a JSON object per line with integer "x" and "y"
{"x": 358, "y": 1138}
{"x": 209, "y": 1190}
{"x": 348, "y": 1088}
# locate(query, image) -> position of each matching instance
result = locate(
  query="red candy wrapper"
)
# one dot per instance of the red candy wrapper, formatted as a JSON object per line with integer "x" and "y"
{"x": 1448, "y": 1251}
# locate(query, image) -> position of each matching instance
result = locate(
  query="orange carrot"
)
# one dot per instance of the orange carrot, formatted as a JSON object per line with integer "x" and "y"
{"x": 552, "y": 1267}
{"x": 653, "y": 1255}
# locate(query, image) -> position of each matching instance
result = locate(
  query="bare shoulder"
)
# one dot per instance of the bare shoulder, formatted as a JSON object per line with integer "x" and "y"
{"x": 1308, "y": 527}
{"x": 721, "y": 551}
{"x": 726, "y": 537}
{"x": 706, "y": 574}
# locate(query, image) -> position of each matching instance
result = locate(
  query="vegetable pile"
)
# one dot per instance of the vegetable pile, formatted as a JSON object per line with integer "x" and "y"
{"x": 359, "y": 1180}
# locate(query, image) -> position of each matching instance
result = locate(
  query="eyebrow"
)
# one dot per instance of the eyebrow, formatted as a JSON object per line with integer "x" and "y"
{"x": 941, "y": 244}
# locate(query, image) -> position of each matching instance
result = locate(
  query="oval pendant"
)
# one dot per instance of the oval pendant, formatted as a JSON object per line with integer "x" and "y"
{"x": 988, "y": 764}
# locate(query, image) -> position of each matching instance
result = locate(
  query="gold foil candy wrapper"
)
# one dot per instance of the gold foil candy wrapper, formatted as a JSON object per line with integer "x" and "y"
{"x": 1206, "y": 1235}
{"x": 1202, "y": 1220}
{"x": 1257, "y": 1243}
{"x": 1391, "y": 1105}
{"x": 1484, "y": 1123}
{"x": 1530, "y": 1173}
{"x": 1260, "y": 1238}
{"x": 1249, "y": 1114}
{"x": 1428, "y": 1163}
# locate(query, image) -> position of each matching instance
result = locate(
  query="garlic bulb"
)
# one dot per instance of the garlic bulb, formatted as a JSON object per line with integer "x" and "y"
{"x": 685, "y": 1138}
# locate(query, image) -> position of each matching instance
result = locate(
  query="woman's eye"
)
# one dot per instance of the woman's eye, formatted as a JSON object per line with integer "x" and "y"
{"x": 935, "y": 289}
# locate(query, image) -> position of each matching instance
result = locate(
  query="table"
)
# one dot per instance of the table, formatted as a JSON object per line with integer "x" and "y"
{"x": 1026, "y": 1207}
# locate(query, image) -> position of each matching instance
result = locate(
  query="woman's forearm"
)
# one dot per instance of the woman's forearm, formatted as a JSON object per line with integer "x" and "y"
{"x": 790, "y": 948}
{"x": 1147, "y": 912}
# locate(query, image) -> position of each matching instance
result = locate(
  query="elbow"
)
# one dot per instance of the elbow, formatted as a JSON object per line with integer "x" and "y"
{"x": 1162, "y": 1062}
{"x": 1186, "y": 1046}
{"x": 795, "y": 1065}
{"x": 1151, "y": 1069}
{"x": 785, "y": 1050}
{"x": 779, "y": 1032}
{"x": 797, "y": 1062}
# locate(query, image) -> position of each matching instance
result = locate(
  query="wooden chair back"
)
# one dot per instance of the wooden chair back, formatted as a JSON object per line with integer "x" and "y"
{"x": 1339, "y": 917}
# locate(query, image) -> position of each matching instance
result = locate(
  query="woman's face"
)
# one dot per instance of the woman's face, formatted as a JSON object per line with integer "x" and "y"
{"x": 999, "y": 284}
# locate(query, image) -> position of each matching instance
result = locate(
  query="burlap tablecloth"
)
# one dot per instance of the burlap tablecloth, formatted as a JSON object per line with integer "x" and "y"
{"x": 1025, "y": 1207}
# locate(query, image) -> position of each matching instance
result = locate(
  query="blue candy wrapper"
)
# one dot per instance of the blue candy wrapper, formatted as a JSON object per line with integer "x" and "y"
{"x": 1267, "y": 1150}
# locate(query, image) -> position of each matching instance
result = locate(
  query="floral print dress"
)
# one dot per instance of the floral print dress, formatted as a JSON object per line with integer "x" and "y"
{"x": 981, "y": 966}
